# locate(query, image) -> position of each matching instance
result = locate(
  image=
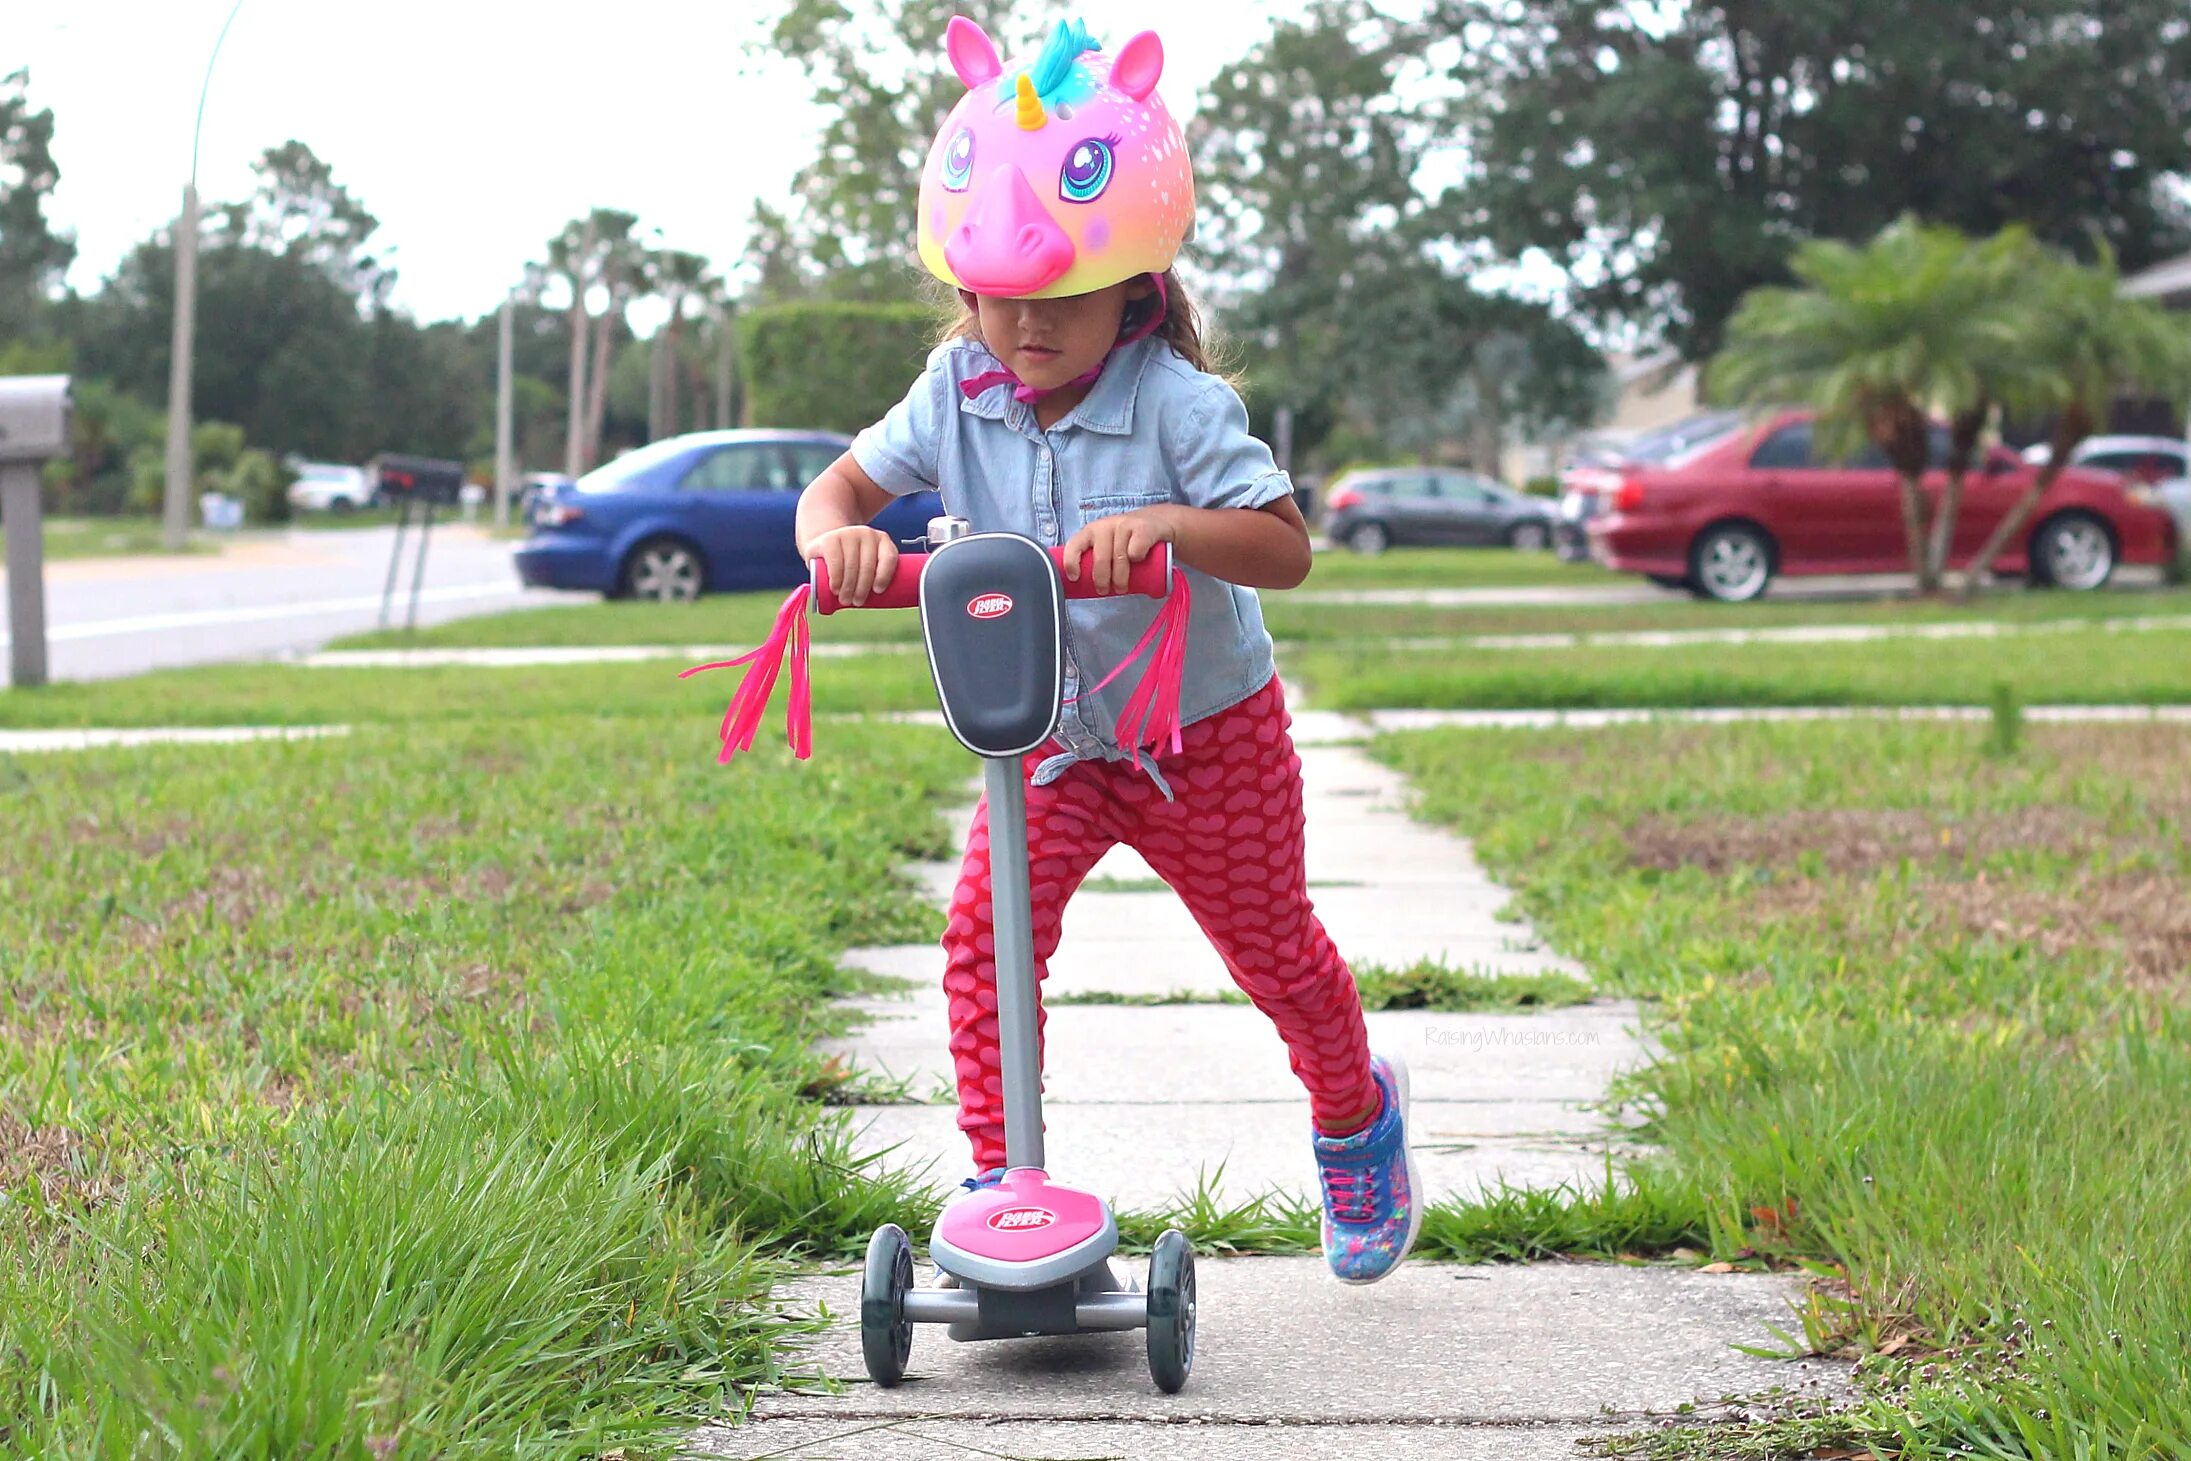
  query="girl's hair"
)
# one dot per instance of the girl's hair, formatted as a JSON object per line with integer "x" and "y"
{"x": 1181, "y": 329}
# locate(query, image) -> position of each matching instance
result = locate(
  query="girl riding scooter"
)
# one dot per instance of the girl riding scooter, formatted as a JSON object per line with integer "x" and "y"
{"x": 1073, "y": 403}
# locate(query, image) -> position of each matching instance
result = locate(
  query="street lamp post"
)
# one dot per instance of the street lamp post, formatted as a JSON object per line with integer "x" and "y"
{"x": 505, "y": 464}
{"x": 175, "y": 516}
{"x": 505, "y": 395}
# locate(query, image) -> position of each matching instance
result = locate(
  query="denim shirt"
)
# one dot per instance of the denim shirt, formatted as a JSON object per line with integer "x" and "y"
{"x": 1154, "y": 429}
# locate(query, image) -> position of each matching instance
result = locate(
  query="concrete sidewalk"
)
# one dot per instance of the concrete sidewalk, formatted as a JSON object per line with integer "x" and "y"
{"x": 1143, "y": 1101}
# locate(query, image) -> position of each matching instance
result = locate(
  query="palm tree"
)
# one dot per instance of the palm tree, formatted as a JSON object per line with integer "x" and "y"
{"x": 571, "y": 256}
{"x": 622, "y": 275}
{"x": 1876, "y": 337}
{"x": 2088, "y": 343}
{"x": 680, "y": 278}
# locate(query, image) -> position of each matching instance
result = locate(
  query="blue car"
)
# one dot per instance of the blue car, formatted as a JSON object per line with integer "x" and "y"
{"x": 701, "y": 513}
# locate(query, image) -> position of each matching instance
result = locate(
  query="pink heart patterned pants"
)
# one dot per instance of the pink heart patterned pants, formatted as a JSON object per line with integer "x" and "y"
{"x": 1230, "y": 844}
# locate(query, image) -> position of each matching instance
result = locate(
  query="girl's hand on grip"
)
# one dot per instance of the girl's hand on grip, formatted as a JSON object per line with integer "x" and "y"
{"x": 1118, "y": 544}
{"x": 859, "y": 561}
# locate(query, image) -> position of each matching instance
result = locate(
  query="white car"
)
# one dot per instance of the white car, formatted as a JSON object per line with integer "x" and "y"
{"x": 2147, "y": 458}
{"x": 329, "y": 487}
{"x": 2160, "y": 464}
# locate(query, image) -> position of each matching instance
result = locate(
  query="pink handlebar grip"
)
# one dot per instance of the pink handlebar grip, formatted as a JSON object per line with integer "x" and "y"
{"x": 1151, "y": 578}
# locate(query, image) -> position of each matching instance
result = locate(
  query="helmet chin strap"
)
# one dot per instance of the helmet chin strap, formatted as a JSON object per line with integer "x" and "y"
{"x": 1021, "y": 391}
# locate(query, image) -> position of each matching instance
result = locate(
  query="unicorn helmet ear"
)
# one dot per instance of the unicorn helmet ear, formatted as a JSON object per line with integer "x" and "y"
{"x": 1140, "y": 62}
{"x": 973, "y": 55}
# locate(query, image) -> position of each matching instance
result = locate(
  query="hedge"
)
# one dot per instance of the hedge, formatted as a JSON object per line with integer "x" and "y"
{"x": 832, "y": 365}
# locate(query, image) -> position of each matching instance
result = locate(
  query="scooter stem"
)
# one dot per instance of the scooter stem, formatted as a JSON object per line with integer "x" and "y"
{"x": 1018, "y": 1034}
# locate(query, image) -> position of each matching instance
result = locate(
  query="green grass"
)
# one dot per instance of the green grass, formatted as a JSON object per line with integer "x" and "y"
{"x": 744, "y": 619}
{"x": 364, "y": 517}
{"x": 1925, "y": 1026}
{"x": 2091, "y": 666}
{"x": 1453, "y": 568}
{"x": 434, "y": 1094}
{"x": 1653, "y": 1212}
{"x": 730, "y": 619}
{"x": 1427, "y": 985}
{"x": 278, "y": 694}
{"x": 1430, "y": 985}
{"x": 112, "y": 537}
{"x": 1291, "y": 619}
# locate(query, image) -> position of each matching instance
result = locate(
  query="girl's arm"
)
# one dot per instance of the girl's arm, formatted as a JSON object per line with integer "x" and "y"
{"x": 1261, "y": 547}
{"x": 832, "y": 525}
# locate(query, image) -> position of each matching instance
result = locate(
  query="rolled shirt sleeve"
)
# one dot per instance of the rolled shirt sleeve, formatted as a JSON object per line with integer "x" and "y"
{"x": 901, "y": 451}
{"x": 1215, "y": 462}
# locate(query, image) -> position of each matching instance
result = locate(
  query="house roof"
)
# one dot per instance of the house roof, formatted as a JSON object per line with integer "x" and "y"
{"x": 2168, "y": 281}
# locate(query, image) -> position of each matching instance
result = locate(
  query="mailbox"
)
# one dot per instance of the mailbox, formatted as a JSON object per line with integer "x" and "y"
{"x": 418, "y": 479}
{"x": 33, "y": 417}
{"x": 33, "y": 430}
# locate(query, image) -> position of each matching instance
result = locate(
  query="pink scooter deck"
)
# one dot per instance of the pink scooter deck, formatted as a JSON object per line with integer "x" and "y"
{"x": 1025, "y": 1222}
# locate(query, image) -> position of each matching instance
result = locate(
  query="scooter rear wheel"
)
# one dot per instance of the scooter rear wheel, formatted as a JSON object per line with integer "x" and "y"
{"x": 1171, "y": 1311}
{"x": 886, "y": 1335}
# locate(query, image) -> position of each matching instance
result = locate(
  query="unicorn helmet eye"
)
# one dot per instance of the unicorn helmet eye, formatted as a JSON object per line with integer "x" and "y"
{"x": 1087, "y": 171}
{"x": 958, "y": 160}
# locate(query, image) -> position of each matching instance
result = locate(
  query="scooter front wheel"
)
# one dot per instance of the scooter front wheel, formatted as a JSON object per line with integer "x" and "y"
{"x": 886, "y": 1335}
{"x": 1171, "y": 1311}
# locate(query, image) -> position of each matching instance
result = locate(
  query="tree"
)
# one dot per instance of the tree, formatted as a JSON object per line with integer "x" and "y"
{"x": 680, "y": 278}
{"x": 1304, "y": 160}
{"x": 1427, "y": 358}
{"x": 575, "y": 256}
{"x": 1877, "y": 336}
{"x": 33, "y": 256}
{"x": 1306, "y": 156}
{"x": 624, "y": 275}
{"x": 300, "y": 212}
{"x": 2088, "y": 344}
{"x": 1770, "y": 123}
{"x": 296, "y": 343}
{"x": 879, "y": 68}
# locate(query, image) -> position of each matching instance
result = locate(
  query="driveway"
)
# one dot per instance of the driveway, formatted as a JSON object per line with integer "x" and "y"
{"x": 266, "y": 595}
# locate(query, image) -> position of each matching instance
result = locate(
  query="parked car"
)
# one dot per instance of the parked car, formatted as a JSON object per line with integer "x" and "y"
{"x": 329, "y": 487}
{"x": 1726, "y": 517}
{"x": 532, "y": 486}
{"x": 2144, "y": 458}
{"x": 2164, "y": 462}
{"x": 1373, "y": 510}
{"x": 692, "y": 514}
{"x": 1589, "y": 479}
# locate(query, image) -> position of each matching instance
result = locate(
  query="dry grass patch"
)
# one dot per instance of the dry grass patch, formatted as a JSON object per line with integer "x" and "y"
{"x": 2142, "y": 920}
{"x": 49, "y": 1159}
{"x": 1859, "y": 840}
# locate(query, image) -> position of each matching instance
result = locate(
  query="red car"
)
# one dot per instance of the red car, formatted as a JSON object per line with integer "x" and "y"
{"x": 1724, "y": 517}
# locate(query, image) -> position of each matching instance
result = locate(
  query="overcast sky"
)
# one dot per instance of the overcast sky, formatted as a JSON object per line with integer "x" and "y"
{"x": 473, "y": 129}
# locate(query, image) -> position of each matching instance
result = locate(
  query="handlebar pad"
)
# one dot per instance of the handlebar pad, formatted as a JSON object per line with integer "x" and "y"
{"x": 1151, "y": 578}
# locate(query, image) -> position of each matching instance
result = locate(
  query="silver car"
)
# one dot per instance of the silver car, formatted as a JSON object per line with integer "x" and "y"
{"x": 1372, "y": 510}
{"x": 2162, "y": 463}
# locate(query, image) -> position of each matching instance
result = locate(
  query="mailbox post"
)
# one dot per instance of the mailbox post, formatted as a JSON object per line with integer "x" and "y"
{"x": 406, "y": 480}
{"x": 33, "y": 430}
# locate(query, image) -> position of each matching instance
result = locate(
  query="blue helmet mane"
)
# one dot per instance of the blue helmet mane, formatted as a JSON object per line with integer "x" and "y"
{"x": 1055, "y": 65}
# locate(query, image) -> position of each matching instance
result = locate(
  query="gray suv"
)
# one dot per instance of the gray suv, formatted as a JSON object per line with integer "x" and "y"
{"x": 1370, "y": 511}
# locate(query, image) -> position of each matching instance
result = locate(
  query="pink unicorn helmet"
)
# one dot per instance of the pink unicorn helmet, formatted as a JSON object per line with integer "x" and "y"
{"x": 1058, "y": 177}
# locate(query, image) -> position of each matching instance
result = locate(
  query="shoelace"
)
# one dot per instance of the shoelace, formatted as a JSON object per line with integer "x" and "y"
{"x": 1351, "y": 1193}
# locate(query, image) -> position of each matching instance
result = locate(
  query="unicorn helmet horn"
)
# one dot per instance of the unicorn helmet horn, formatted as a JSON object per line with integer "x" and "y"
{"x": 1056, "y": 176}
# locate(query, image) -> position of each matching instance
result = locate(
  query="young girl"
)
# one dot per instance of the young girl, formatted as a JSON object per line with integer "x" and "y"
{"x": 1072, "y": 403}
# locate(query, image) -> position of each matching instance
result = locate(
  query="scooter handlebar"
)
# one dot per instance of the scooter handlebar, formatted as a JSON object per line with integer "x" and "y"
{"x": 1151, "y": 578}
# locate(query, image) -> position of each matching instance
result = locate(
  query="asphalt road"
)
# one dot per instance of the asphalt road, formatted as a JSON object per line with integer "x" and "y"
{"x": 267, "y": 595}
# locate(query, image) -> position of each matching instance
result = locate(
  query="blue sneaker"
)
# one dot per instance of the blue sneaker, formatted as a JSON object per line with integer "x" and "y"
{"x": 1371, "y": 1210}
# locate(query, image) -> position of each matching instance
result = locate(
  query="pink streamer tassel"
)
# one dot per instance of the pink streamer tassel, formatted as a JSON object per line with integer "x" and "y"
{"x": 750, "y": 699}
{"x": 1151, "y": 716}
